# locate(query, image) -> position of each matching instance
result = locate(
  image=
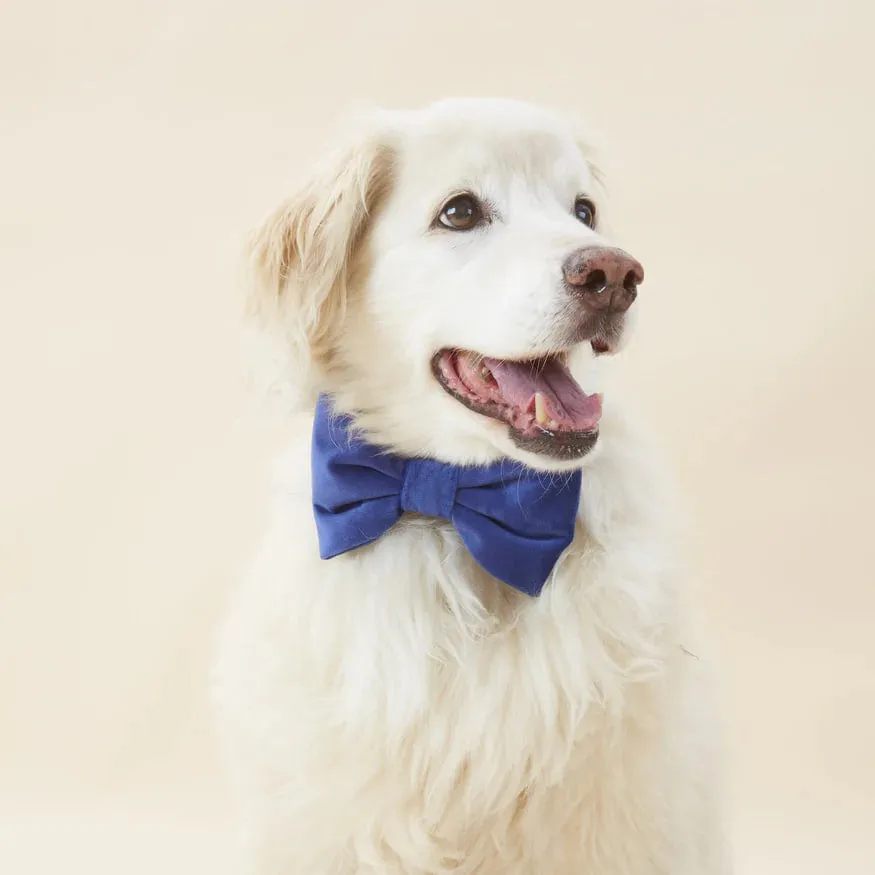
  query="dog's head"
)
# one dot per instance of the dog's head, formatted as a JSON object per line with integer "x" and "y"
{"x": 443, "y": 275}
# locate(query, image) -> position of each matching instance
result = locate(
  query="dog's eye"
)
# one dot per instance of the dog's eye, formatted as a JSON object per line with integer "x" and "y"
{"x": 462, "y": 213}
{"x": 585, "y": 211}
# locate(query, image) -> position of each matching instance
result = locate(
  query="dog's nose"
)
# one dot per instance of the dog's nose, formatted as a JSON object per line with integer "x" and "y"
{"x": 604, "y": 277}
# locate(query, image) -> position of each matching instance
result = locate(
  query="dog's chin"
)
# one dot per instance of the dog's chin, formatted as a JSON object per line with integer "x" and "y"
{"x": 540, "y": 414}
{"x": 552, "y": 451}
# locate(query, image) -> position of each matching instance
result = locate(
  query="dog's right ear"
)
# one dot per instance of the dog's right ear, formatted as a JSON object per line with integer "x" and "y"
{"x": 299, "y": 258}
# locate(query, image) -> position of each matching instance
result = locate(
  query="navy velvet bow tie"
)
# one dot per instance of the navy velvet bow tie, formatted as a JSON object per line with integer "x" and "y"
{"x": 513, "y": 520}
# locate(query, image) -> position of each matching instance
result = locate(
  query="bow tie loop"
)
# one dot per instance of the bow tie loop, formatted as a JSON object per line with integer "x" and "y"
{"x": 429, "y": 488}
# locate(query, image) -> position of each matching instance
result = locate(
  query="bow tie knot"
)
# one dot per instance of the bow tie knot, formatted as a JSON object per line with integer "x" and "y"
{"x": 429, "y": 488}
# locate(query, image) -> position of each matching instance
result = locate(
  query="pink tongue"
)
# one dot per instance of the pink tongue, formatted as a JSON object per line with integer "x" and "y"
{"x": 567, "y": 404}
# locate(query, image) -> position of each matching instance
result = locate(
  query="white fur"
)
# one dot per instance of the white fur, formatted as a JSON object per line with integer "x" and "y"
{"x": 396, "y": 709}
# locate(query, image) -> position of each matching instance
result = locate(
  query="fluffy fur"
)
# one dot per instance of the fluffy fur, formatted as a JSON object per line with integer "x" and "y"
{"x": 397, "y": 710}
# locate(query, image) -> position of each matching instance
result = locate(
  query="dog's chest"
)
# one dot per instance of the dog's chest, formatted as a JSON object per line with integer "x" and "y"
{"x": 527, "y": 722}
{"x": 440, "y": 698}
{"x": 483, "y": 674}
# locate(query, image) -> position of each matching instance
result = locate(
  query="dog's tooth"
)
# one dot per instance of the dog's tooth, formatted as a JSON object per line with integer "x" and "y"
{"x": 541, "y": 409}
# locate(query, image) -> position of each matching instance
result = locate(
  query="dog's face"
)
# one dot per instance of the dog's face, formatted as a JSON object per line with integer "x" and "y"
{"x": 443, "y": 277}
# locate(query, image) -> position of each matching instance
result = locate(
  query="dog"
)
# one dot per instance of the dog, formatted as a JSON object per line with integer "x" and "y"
{"x": 432, "y": 691}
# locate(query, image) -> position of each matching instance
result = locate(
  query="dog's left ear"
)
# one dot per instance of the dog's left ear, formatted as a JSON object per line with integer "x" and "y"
{"x": 300, "y": 257}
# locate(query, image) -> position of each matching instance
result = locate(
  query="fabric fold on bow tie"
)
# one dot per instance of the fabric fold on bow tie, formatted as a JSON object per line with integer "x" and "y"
{"x": 514, "y": 521}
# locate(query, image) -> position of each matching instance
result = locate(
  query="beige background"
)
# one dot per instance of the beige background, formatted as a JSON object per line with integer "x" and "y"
{"x": 139, "y": 139}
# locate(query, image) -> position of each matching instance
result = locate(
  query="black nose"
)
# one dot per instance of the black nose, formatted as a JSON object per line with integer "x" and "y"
{"x": 605, "y": 278}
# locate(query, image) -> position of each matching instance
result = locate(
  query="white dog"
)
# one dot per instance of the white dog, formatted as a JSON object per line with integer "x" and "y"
{"x": 397, "y": 708}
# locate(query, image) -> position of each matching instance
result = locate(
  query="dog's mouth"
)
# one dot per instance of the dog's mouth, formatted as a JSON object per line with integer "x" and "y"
{"x": 543, "y": 405}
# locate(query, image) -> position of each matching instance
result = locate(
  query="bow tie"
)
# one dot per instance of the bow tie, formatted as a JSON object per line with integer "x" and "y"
{"x": 514, "y": 521}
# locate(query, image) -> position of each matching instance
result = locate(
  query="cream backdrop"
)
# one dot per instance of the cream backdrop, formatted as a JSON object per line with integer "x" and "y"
{"x": 139, "y": 140}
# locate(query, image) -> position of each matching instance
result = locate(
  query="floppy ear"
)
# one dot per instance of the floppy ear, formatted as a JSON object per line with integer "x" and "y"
{"x": 299, "y": 259}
